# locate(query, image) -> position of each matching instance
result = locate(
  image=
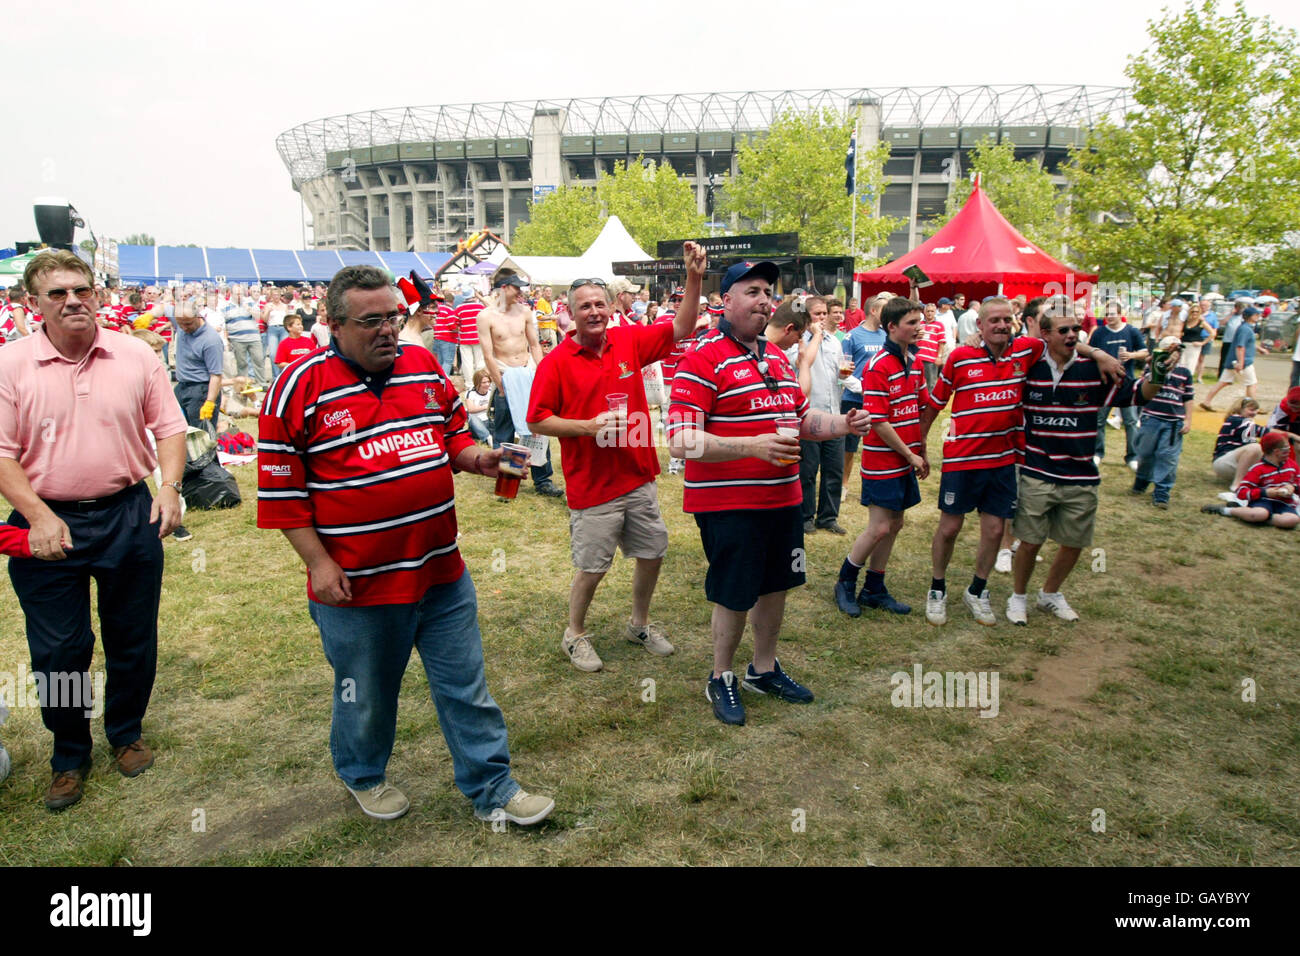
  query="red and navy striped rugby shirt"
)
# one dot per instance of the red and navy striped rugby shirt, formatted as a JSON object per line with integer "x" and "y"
{"x": 985, "y": 428}
{"x": 1264, "y": 475}
{"x": 368, "y": 465}
{"x": 1061, "y": 420}
{"x": 894, "y": 395}
{"x": 718, "y": 388}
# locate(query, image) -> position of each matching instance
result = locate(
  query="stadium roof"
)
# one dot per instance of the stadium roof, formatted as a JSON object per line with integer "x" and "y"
{"x": 303, "y": 148}
{"x": 189, "y": 263}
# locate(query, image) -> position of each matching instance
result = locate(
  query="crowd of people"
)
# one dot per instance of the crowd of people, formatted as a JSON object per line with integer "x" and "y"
{"x": 758, "y": 397}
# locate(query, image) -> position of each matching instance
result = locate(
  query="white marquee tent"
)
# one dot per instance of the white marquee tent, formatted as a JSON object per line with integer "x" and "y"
{"x": 614, "y": 244}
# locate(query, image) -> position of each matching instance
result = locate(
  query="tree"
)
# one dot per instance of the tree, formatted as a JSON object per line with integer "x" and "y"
{"x": 87, "y": 245}
{"x": 1205, "y": 164}
{"x": 1021, "y": 189}
{"x": 139, "y": 239}
{"x": 653, "y": 203}
{"x": 793, "y": 181}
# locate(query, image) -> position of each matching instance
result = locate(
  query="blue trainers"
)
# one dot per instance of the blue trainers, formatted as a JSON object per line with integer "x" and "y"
{"x": 844, "y": 599}
{"x": 777, "y": 683}
{"x": 884, "y": 601}
{"x": 724, "y": 695}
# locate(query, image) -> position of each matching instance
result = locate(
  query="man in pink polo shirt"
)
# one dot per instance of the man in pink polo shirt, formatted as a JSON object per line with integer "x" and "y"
{"x": 75, "y": 403}
{"x": 609, "y": 459}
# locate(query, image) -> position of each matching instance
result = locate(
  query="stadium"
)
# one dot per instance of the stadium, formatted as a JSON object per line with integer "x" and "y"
{"x": 420, "y": 178}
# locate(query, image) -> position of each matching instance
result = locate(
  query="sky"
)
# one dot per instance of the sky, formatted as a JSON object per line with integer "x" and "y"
{"x": 161, "y": 117}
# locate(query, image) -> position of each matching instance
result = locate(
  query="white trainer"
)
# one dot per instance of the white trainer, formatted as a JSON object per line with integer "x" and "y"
{"x": 580, "y": 651}
{"x": 1003, "y": 563}
{"x": 1017, "y": 606}
{"x": 980, "y": 608}
{"x": 1231, "y": 498}
{"x": 1057, "y": 604}
{"x": 936, "y": 608}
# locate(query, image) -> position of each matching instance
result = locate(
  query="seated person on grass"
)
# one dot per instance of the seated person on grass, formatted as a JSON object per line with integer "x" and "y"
{"x": 1268, "y": 488}
{"x": 477, "y": 400}
{"x": 1237, "y": 450}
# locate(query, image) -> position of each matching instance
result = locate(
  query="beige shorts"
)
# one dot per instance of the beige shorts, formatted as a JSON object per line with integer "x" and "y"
{"x": 1247, "y": 376}
{"x": 631, "y": 522}
{"x": 1065, "y": 513}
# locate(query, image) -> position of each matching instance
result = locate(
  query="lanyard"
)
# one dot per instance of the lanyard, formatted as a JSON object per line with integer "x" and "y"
{"x": 760, "y": 363}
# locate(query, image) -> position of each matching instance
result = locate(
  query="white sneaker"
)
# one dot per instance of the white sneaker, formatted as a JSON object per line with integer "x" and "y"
{"x": 1056, "y": 603}
{"x": 524, "y": 809}
{"x": 1231, "y": 498}
{"x": 1003, "y": 564}
{"x": 1096, "y": 460}
{"x": 580, "y": 651}
{"x": 382, "y": 801}
{"x": 936, "y": 607}
{"x": 1133, "y": 466}
{"x": 980, "y": 608}
{"x": 1114, "y": 420}
{"x": 1016, "y": 608}
{"x": 651, "y": 637}
{"x": 675, "y": 466}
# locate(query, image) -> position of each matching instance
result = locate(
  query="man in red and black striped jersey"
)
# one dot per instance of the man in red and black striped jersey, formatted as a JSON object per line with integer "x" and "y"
{"x": 982, "y": 445}
{"x": 609, "y": 459}
{"x": 356, "y": 451}
{"x": 742, "y": 481}
{"x": 893, "y": 457}
{"x": 1057, "y": 495}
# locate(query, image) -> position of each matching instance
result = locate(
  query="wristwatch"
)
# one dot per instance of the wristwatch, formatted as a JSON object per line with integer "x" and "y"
{"x": 172, "y": 484}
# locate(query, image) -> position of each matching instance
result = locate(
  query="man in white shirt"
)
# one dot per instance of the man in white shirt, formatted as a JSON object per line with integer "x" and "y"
{"x": 966, "y": 325}
{"x": 825, "y": 393}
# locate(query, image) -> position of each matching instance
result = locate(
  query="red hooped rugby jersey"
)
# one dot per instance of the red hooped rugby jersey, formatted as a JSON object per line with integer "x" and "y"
{"x": 930, "y": 342}
{"x": 893, "y": 394}
{"x": 467, "y": 315}
{"x": 446, "y": 327}
{"x": 719, "y": 389}
{"x": 372, "y": 474}
{"x": 985, "y": 429}
{"x": 1264, "y": 475}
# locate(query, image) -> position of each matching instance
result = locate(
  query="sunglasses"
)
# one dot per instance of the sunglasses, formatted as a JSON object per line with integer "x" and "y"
{"x": 370, "y": 323}
{"x": 58, "y": 295}
{"x": 581, "y": 282}
{"x": 1067, "y": 329}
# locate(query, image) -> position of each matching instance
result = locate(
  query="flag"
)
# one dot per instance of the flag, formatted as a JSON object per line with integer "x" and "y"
{"x": 851, "y": 165}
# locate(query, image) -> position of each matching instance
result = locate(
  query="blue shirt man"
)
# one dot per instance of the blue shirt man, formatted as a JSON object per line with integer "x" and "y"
{"x": 199, "y": 357}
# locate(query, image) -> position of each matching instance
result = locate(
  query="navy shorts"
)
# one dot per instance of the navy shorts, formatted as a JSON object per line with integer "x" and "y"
{"x": 991, "y": 491}
{"x": 751, "y": 553}
{"x": 897, "y": 494}
{"x": 1275, "y": 506}
{"x": 848, "y": 402}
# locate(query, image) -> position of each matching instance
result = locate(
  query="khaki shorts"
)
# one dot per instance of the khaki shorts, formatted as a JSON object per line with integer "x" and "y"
{"x": 1225, "y": 466}
{"x": 1064, "y": 513}
{"x": 1247, "y": 376}
{"x": 631, "y": 522}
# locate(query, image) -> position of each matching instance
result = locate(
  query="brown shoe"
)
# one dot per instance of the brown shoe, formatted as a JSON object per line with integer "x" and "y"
{"x": 133, "y": 759}
{"x": 66, "y": 786}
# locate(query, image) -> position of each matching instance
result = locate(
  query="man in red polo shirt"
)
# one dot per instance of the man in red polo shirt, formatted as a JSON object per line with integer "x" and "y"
{"x": 732, "y": 401}
{"x": 609, "y": 459}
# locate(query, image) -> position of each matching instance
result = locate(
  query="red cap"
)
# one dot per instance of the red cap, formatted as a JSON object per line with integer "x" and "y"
{"x": 1292, "y": 399}
{"x": 1271, "y": 441}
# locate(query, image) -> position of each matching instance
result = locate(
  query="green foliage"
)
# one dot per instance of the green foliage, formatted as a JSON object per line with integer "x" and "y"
{"x": 653, "y": 203}
{"x": 139, "y": 239}
{"x": 562, "y": 224}
{"x": 793, "y": 181}
{"x": 1205, "y": 165}
{"x": 87, "y": 245}
{"x": 1021, "y": 189}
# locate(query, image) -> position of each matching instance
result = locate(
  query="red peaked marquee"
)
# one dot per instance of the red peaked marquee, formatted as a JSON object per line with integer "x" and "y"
{"x": 979, "y": 253}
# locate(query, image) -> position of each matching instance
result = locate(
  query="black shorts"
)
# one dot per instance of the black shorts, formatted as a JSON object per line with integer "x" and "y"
{"x": 751, "y": 553}
{"x": 991, "y": 491}
{"x": 1275, "y": 506}
{"x": 897, "y": 494}
{"x": 848, "y": 403}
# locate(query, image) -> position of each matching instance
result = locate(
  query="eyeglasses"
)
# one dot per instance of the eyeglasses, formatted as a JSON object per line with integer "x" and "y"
{"x": 370, "y": 323}
{"x": 58, "y": 295}
{"x": 578, "y": 284}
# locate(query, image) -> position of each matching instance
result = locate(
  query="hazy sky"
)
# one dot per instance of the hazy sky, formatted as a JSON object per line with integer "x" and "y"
{"x": 161, "y": 117}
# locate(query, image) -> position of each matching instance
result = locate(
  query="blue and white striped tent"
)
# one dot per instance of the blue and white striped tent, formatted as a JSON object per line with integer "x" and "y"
{"x": 154, "y": 264}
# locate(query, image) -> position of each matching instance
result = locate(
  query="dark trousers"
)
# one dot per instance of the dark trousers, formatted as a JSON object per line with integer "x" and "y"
{"x": 191, "y": 396}
{"x": 503, "y": 429}
{"x": 828, "y": 456}
{"x": 1295, "y": 374}
{"x": 117, "y": 547}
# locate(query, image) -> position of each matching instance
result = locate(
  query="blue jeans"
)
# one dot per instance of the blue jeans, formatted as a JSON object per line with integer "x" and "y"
{"x": 1130, "y": 416}
{"x": 1158, "y": 446}
{"x": 275, "y": 334}
{"x": 369, "y": 648}
{"x": 445, "y": 353}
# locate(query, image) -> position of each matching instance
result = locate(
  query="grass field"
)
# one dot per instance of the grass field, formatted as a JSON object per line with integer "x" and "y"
{"x": 1136, "y": 711}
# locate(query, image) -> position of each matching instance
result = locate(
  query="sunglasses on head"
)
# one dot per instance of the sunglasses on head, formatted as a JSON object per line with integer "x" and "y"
{"x": 581, "y": 282}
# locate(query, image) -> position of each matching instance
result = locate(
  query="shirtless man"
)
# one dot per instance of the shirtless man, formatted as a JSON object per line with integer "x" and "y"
{"x": 507, "y": 332}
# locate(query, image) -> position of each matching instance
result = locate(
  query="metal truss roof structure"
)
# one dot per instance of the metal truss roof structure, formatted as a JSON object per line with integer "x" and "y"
{"x": 303, "y": 147}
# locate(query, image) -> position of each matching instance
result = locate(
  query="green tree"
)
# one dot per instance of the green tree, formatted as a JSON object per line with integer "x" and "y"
{"x": 87, "y": 245}
{"x": 1021, "y": 189}
{"x": 561, "y": 224}
{"x": 793, "y": 181}
{"x": 1205, "y": 164}
{"x": 652, "y": 201}
{"x": 139, "y": 239}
